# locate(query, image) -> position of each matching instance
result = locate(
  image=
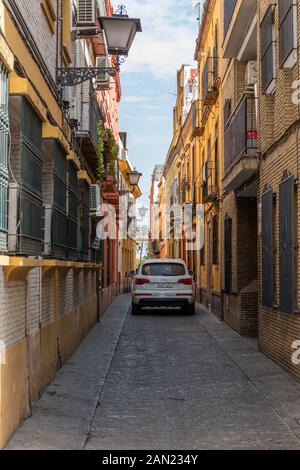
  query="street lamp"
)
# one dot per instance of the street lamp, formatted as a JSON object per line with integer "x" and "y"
{"x": 120, "y": 31}
{"x": 134, "y": 177}
{"x": 143, "y": 211}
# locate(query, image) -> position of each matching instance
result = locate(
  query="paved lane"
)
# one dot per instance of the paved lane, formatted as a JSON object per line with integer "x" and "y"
{"x": 165, "y": 381}
{"x": 171, "y": 385}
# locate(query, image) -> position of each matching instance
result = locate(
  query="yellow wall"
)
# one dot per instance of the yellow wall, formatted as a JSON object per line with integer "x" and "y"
{"x": 32, "y": 364}
{"x": 206, "y": 47}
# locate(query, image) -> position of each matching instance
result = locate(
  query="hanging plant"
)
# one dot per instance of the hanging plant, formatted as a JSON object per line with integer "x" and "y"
{"x": 108, "y": 152}
{"x": 100, "y": 165}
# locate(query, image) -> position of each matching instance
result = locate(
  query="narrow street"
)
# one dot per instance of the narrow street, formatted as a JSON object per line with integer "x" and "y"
{"x": 165, "y": 381}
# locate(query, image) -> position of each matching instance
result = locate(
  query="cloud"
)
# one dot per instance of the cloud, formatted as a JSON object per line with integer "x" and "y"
{"x": 167, "y": 40}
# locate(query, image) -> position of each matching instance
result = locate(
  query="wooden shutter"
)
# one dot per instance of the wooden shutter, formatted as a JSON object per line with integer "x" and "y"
{"x": 287, "y": 38}
{"x": 267, "y": 248}
{"x": 286, "y": 245}
{"x": 267, "y": 49}
{"x": 228, "y": 255}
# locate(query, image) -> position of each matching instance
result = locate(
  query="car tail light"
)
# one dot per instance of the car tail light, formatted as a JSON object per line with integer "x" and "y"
{"x": 140, "y": 282}
{"x": 186, "y": 281}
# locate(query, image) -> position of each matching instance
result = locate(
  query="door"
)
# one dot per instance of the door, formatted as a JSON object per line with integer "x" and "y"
{"x": 209, "y": 264}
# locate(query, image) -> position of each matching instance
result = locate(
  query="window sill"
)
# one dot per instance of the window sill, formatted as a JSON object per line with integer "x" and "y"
{"x": 271, "y": 88}
{"x": 291, "y": 60}
{"x": 49, "y": 13}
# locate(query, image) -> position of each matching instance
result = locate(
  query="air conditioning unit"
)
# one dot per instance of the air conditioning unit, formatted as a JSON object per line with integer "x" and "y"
{"x": 73, "y": 109}
{"x": 95, "y": 198}
{"x": 251, "y": 74}
{"x": 86, "y": 20}
{"x": 103, "y": 79}
{"x": 66, "y": 96}
{"x": 48, "y": 230}
{"x": 86, "y": 13}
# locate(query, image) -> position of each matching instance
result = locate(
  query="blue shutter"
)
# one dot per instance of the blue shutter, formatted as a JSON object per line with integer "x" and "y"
{"x": 286, "y": 245}
{"x": 4, "y": 139}
{"x": 267, "y": 248}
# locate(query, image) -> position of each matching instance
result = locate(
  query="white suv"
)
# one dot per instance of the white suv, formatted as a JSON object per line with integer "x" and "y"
{"x": 163, "y": 283}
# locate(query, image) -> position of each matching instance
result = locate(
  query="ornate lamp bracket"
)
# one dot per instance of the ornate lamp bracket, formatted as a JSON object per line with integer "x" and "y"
{"x": 72, "y": 76}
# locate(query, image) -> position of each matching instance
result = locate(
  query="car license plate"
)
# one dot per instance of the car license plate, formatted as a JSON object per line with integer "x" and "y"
{"x": 164, "y": 285}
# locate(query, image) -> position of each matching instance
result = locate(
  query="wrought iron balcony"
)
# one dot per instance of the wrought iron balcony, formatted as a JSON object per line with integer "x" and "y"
{"x": 197, "y": 129}
{"x": 88, "y": 132}
{"x": 210, "y": 189}
{"x": 210, "y": 82}
{"x": 240, "y": 144}
{"x": 229, "y": 6}
{"x": 240, "y": 137}
{"x": 240, "y": 26}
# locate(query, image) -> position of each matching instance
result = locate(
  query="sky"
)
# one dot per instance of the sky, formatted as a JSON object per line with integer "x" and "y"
{"x": 149, "y": 79}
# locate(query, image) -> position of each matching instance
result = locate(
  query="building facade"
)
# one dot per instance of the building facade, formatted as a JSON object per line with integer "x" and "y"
{"x": 240, "y": 169}
{"x": 155, "y": 232}
{"x": 58, "y": 155}
{"x": 208, "y": 140}
{"x": 180, "y": 165}
{"x": 278, "y": 93}
{"x": 128, "y": 209}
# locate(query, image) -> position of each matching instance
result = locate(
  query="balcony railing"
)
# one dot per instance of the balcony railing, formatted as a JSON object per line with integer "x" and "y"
{"x": 210, "y": 190}
{"x": 88, "y": 131}
{"x": 240, "y": 137}
{"x": 210, "y": 82}
{"x": 198, "y": 129}
{"x": 229, "y": 6}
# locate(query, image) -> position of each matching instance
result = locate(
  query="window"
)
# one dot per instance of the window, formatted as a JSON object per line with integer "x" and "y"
{"x": 202, "y": 251}
{"x": 205, "y": 80}
{"x": 287, "y": 32}
{"x": 267, "y": 52}
{"x": 287, "y": 244}
{"x": 227, "y": 111}
{"x": 66, "y": 32}
{"x": 216, "y": 240}
{"x": 228, "y": 255}
{"x": 49, "y": 12}
{"x": 229, "y": 6}
{"x": 267, "y": 248}
{"x": 73, "y": 204}
{"x": 164, "y": 269}
{"x": 216, "y": 157}
{"x": 216, "y": 56}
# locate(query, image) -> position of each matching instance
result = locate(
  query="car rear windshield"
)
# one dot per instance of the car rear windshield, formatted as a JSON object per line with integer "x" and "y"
{"x": 163, "y": 269}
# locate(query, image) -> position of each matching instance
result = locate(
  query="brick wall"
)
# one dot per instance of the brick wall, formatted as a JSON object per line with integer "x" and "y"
{"x": 277, "y": 113}
{"x": 12, "y": 311}
{"x": 24, "y": 308}
{"x": 37, "y": 23}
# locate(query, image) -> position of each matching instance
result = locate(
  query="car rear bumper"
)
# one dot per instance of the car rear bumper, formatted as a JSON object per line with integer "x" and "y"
{"x": 155, "y": 300}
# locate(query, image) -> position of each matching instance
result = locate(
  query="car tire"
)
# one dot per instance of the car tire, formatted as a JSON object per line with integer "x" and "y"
{"x": 190, "y": 309}
{"x": 135, "y": 309}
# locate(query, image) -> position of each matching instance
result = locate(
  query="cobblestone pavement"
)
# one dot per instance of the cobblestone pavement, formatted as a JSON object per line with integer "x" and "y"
{"x": 165, "y": 381}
